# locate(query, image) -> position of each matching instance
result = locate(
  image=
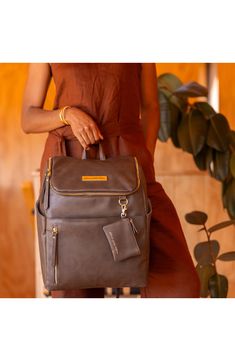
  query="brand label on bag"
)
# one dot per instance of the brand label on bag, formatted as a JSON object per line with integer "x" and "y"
{"x": 94, "y": 178}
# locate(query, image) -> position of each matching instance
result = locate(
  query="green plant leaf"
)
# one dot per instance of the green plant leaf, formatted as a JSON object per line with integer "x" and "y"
{"x": 198, "y": 127}
{"x": 218, "y": 286}
{"x": 169, "y": 81}
{"x": 196, "y": 217}
{"x": 165, "y": 117}
{"x": 176, "y": 116}
{"x": 224, "y": 185}
{"x": 220, "y": 164}
{"x": 218, "y": 133}
{"x": 217, "y": 163}
{"x": 183, "y": 134}
{"x": 204, "y": 273}
{"x": 221, "y": 225}
{"x": 205, "y": 108}
{"x": 181, "y": 104}
{"x": 232, "y": 137}
{"x": 223, "y": 190}
{"x": 200, "y": 158}
{"x": 210, "y": 160}
{"x": 229, "y": 198}
{"x": 170, "y": 116}
{"x": 228, "y": 256}
{"x": 206, "y": 252}
{"x": 191, "y": 89}
{"x": 232, "y": 164}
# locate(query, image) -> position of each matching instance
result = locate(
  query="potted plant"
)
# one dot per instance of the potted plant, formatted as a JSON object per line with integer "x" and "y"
{"x": 195, "y": 127}
{"x": 207, "y": 254}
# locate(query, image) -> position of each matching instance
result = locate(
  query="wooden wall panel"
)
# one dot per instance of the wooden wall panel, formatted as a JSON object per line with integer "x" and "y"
{"x": 19, "y": 155}
{"x": 201, "y": 192}
{"x": 226, "y": 74}
{"x": 185, "y": 71}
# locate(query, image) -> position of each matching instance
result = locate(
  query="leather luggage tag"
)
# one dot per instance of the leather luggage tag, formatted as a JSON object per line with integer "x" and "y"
{"x": 121, "y": 238}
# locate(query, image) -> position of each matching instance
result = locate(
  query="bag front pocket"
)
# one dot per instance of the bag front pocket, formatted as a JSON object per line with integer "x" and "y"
{"x": 79, "y": 255}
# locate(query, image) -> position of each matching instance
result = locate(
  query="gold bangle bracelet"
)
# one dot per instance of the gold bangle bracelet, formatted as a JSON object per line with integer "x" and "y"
{"x": 66, "y": 107}
{"x": 61, "y": 115}
{"x": 62, "y": 118}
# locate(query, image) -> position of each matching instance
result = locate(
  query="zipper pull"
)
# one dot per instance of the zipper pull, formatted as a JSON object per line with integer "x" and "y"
{"x": 46, "y": 194}
{"x": 133, "y": 225}
{"x": 54, "y": 231}
{"x": 54, "y": 251}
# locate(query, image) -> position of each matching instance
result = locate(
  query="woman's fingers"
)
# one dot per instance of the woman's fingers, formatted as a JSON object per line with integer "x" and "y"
{"x": 91, "y": 135}
{"x": 81, "y": 140}
{"x": 87, "y": 134}
{"x": 97, "y": 135}
{"x": 84, "y": 134}
{"x": 94, "y": 134}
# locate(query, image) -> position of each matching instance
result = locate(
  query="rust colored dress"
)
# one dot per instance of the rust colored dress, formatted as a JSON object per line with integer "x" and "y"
{"x": 110, "y": 94}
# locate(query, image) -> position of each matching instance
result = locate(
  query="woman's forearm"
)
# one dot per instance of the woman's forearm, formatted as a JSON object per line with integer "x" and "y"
{"x": 150, "y": 119}
{"x": 38, "y": 120}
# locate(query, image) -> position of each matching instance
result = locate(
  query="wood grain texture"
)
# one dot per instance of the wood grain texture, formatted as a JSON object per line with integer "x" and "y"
{"x": 19, "y": 155}
{"x": 201, "y": 192}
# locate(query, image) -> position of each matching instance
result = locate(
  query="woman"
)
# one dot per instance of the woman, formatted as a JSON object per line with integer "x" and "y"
{"x": 118, "y": 104}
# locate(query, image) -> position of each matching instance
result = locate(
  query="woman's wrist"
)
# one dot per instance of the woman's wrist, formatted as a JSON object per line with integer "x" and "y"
{"x": 69, "y": 114}
{"x": 66, "y": 109}
{"x": 62, "y": 115}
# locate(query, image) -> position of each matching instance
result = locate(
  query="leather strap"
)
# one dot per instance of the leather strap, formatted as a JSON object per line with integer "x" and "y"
{"x": 101, "y": 152}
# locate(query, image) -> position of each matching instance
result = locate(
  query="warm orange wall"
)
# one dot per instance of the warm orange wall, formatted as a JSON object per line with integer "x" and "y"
{"x": 20, "y": 155}
{"x": 185, "y": 71}
{"x": 226, "y": 74}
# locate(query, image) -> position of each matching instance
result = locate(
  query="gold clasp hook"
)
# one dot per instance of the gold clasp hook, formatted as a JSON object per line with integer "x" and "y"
{"x": 123, "y": 201}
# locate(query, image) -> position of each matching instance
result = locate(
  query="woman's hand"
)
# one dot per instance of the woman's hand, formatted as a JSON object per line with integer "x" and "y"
{"x": 83, "y": 126}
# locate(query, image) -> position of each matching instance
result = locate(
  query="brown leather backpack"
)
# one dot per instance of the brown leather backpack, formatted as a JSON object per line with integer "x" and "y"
{"x": 93, "y": 222}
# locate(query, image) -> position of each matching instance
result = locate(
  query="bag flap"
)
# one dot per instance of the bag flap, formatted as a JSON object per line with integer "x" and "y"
{"x": 72, "y": 175}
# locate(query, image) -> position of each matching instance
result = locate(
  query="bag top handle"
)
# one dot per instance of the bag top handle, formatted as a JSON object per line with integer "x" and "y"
{"x": 101, "y": 152}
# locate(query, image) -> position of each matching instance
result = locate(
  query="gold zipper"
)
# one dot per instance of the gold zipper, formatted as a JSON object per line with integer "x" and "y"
{"x": 54, "y": 237}
{"x": 94, "y": 193}
{"x": 49, "y": 167}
